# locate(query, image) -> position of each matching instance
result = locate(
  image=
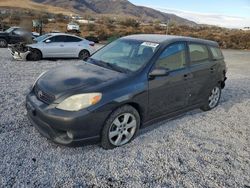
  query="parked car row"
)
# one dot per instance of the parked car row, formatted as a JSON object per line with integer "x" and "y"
{"x": 54, "y": 45}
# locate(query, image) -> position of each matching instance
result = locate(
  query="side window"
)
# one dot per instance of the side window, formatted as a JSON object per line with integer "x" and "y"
{"x": 16, "y": 32}
{"x": 198, "y": 53}
{"x": 59, "y": 38}
{"x": 52, "y": 39}
{"x": 173, "y": 57}
{"x": 72, "y": 39}
{"x": 216, "y": 52}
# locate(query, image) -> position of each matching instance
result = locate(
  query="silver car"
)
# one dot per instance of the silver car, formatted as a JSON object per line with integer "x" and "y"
{"x": 57, "y": 45}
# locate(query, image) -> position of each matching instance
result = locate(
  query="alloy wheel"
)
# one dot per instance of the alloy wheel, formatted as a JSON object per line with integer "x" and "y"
{"x": 122, "y": 129}
{"x": 84, "y": 55}
{"x": 214, "y": 97}
{"x": 2, "y": 44}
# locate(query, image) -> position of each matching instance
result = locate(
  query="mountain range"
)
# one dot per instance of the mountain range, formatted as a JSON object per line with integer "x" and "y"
{"x": 115, "y": 7}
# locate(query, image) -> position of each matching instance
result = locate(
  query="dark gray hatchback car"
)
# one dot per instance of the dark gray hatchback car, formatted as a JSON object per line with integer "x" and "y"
{"x": 127, "y": 85}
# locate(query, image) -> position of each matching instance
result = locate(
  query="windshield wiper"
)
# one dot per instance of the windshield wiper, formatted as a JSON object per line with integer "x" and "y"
{"x": 110, "y": 66}
{"x": 118, "y": 68}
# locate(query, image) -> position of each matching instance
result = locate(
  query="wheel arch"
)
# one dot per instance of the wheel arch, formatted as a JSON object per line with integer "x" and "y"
{"x": 136, "y": 106}
{"x": 84, "y": 50}
{"x": 38, "y": 50}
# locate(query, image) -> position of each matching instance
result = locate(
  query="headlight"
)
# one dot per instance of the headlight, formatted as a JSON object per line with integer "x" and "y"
{"x": 79, "y": 102}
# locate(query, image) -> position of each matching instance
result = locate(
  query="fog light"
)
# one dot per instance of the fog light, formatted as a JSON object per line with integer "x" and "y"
{"x": 70, "y": 135}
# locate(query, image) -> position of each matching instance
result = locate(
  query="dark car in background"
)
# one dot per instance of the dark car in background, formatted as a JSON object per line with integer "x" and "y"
{"x": 92, "y": 38}
{"x": 14, "y": 35}
{"x": 125, "y": 86}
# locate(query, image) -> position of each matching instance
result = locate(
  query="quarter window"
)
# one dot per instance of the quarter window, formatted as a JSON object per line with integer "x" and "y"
{"x": 173, "y": 57}
{"x": 198, "y": 53}
{"x": 216, "y": 52}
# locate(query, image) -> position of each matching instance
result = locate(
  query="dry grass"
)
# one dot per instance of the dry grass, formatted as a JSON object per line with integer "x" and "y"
{"x": 27, "y": 4}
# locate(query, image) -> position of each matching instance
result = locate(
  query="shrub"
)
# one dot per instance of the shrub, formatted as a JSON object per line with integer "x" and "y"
{"x": 130, "y": 23}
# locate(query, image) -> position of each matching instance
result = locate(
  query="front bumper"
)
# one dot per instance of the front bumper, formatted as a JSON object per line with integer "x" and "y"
{"x": 65, "y": 128}
{"x": 18, "y": 55}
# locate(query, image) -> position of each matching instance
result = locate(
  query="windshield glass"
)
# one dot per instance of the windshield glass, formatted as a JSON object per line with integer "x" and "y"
{"x": 10, "y": 30}
{"x": 126, "y": 54}
{"x": 41, "y": 38}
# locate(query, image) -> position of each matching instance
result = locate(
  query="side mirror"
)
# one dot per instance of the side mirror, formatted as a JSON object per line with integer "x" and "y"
{"x": 47, "y": 41}
{"x": 159, "y": 72}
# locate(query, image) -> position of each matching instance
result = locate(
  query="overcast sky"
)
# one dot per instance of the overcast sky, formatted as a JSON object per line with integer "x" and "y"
{"x": 226, "y": 13}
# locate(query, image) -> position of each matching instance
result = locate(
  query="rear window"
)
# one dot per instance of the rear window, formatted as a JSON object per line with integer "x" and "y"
{"x": 198, "y": 52}
{"x": 216, "y": 52}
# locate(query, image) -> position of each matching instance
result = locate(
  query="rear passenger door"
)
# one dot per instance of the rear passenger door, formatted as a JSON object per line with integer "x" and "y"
{"x": 72, "y": 46}
{"x": 202, "y": 68}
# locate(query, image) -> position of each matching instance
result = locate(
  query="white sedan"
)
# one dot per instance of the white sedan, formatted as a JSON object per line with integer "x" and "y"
{"x": 57, "y": 45}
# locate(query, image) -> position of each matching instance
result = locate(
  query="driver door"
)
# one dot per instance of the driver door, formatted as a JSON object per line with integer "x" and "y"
{"x": 168, "y": 93}
{"x": 54, "y": 47}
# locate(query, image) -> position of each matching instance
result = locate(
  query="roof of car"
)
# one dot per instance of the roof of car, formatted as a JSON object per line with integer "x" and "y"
{"x": 15, "y": 27}
{"x": 58, "y": 33}
{"x": 168, "y": 39}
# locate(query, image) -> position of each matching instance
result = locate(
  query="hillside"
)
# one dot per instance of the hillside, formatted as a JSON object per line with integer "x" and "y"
{"x": 115, "y": 7}
{"x": 28, "y": 4}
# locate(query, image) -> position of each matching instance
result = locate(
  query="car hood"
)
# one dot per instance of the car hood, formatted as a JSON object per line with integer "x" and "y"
{"x": 83, "y": 77}
{"x": 3, "y": 33}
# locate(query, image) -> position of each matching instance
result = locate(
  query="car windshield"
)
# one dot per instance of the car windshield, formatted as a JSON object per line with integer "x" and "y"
{"x": 41, "y": 38}
{"x": 10, "y": 29}
{"x": 124, "y": 54}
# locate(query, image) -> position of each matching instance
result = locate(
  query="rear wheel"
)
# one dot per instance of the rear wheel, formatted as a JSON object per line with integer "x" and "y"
{"x": 3, "y": 43}
{"x": 120, "y": 128}
{"x": 213, "y": 99}
{"x": 84, "y": 55}
{"x": 34, "y": 55}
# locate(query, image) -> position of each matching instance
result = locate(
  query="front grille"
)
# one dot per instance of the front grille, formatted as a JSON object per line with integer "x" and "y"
{"x": 43, "y": 96}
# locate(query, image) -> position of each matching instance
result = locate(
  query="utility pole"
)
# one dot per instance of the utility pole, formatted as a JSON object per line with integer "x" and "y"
{"x": 167, "y": 29}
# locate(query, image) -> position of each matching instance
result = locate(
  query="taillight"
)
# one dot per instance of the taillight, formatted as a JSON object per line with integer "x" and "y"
{"x": 92, "y": 44}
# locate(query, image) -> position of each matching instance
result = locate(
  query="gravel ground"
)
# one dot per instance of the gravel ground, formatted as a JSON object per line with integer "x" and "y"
{"x": 197, "y": 149}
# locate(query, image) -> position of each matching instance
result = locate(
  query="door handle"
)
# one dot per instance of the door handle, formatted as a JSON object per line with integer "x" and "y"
{"x": 62, "y": 45}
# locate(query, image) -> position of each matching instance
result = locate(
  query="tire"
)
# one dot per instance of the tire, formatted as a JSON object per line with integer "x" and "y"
{"x": 34, "y": 55}
{"x": 120, "y": 128}
{"x": 84, "y": 55}
{"x": 213, "y": 99}
{"x": 3, "y": 43}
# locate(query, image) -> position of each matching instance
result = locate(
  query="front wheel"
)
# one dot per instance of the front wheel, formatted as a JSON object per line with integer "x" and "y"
{"x": 84, "y": 55}
{"x": 213, "y": 99}
{"x": 3, "y": 43}
{"x": 120, "y": 128}
{"x": 34, "y": 55}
